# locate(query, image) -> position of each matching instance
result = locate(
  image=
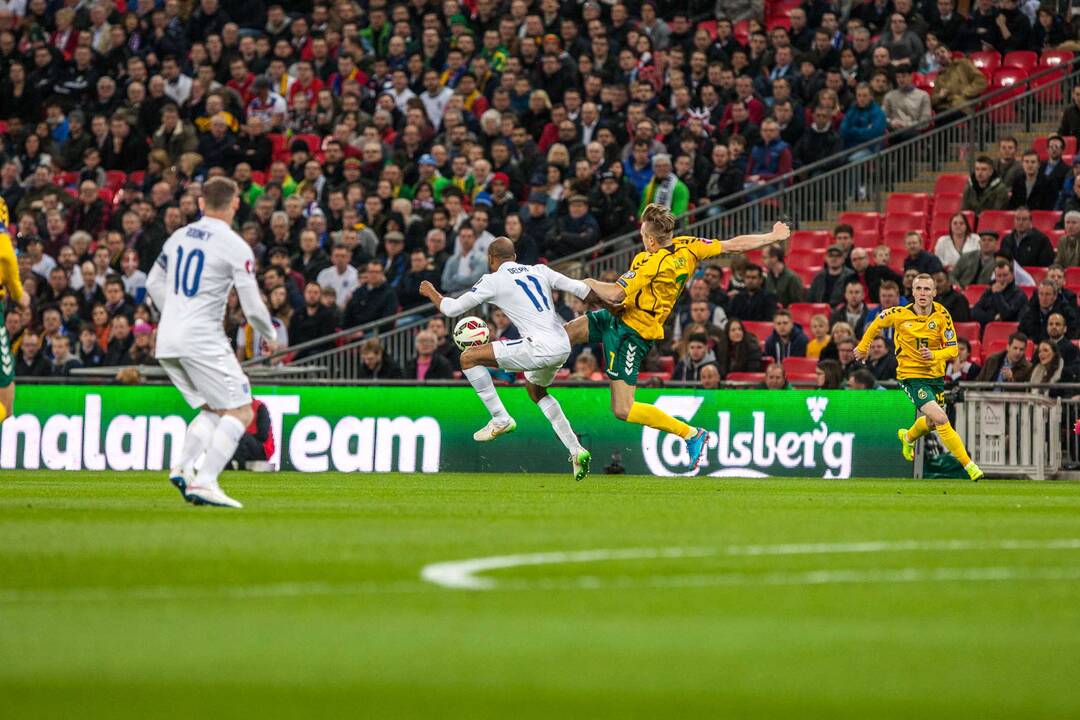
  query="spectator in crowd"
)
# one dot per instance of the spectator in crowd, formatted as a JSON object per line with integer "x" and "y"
{"x": 753, "y": 302}
{"x": 786, "y": 340}
{"x": 776, "y": 378}
{"x": 828, "y": 285}
{"x": 818, "y": 337}
{"x": 780, "y": 280}
{"x": 977, "y": 267}
{"x": 771, "y": 158}
{"x": 1054, "y": 168}
{"x": 985, "y": 190}
{"x": 725, "y": 178}
{"x": 372, "y": 301}
{"x": 880, "y": 272}
{"x": 257, "y": 443}
{"x": 1050, "y": 368}
{"x": 954, "y": 302}
{"x": 1007, "y": 165}
{"x": 957, "y": 85}
{"x": 141, "y": 351}
{"x": 466, "y": 266}
{"x": 31, "y": 360}
{"x": 1070, "y": 116}
{"x": 697, "y": 354}
{"x": 863, "y": 122}
{"x": 907, "y": 107}
{"x": 1058, "y": 331}
{"x": 63, "y": 361}
{"x": 854, "y": 310}
{"x": 918, "y": 258}
{"x": 839, "y": 332}
{"x": 819, "y": 140}
{"x": 699, "y": 311}
{"x": 664, "y": 187}
{"x": 428, "y": 364}
{"x": 586, "y": 369}
{"x": 709, "y": 376}
{"x": 1046, "y": 301}
{"x": 375, "y": 363}
{"x": 341, "y": 277}
{"x": 1002, "y": 301}
{"x": 960, "y": 240}
{"x": 863, "y": 379}
{"x": 1009, "y": 365}
{"x": 611, "y": 206}
{"x": 311, "y": 322}
{"x": 962, "y": 367}
{"x": 1033, "y": 189}
{"x": 845, "y": 353}
{"x": 881, "y": 361}
{"x": 738, "y": 350}
{"x": 89, "y": 352}
{"x": 829, "y": 375}
{"x": 1068, "y": 249}
{"x": 1027, "y": 245}
{"x": 573, "y": 232}
{"x": 120, "y": 341}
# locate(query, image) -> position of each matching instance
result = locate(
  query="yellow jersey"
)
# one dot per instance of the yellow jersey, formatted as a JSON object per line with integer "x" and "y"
{"x": 654, "y": 281}
{"x": 912, "y": 333}
{"x": 10, "y": 284}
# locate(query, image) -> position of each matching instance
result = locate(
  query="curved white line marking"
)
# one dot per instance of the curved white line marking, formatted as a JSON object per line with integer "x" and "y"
{"x": 464, "y": 574}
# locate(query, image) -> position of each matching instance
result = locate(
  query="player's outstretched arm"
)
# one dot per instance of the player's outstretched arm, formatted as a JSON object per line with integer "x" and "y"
{"x": 611, "y": 293}
{"x": 863, "y": 348}
{"x": 745, "y": 243}
{"x": 428, "y": 290}
{"x": 452, "y": 307}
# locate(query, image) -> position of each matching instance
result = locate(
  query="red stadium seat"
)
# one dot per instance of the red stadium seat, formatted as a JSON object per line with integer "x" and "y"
{"x": 806, "y": 274}
{"x": 106, "y": 195}
{"x": 1055, "y": 236}
{"x": 1072, "y": 276}
{"x": 974, "y": 292}
{"x": 949, "y": 202}
{"x": 1028, "y": 290}
{"x": 925, "y": 82}
{"x": 1022, "y": 59}
{"x": 806, "y": 256}
{"x": 976, "y": 351}
{"x": 314, "y": 142}
{"x": 1045, "y": 220}
{"x": 708, "y": 26}
{"x": 741, "y": 31}
{"x": 1050, "y": 58}
{"x": 969, "y": 330}
{"x": 1039, "y": 146}
{"x": 760, "y": 328}
{"x": 561, "y": 373}
{"x": 810, "y": 239}
{"x": 745, "y": 377}
{"x": 997, "y": 332}
{"x": 778, "y": 21}
{"x": 868, "y": 240}
{"x": 999, "y": 221}
{"x": 799, "y": 365}
{"x": 1037, "y": 273}
{"x": 137, "y": 177}
{"x": 907, "y": 203}
{"x": 905, "y": 221}
{"x": 279, "y": 146}
{"x": 642, "y": 377}
{"x": 861, "y": 221}
{"x": 802, "y": 312}
{"x": 667, "y": 364}
{"x": 955, "y": 183}
{"x": 894, "y": 240}
{"x": 984, "y": 59}
{"x": 1049, "y": 86}
{"x": 115, "y": 179}
{"x": 69, "y": 179}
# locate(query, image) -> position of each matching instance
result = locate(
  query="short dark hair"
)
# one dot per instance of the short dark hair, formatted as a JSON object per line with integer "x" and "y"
{"x": 1018, "y": 336}
{"x": 752, "y": 267}
{"x": 698, "y": 337}
{"x": 843, "y": 228}
{"x": 864, "y": 377}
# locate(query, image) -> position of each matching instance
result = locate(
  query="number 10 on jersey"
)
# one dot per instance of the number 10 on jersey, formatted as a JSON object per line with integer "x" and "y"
{"x": 186, "y": 279}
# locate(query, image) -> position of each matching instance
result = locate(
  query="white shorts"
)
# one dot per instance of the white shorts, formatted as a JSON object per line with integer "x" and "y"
{"x": 217, "y": 381}
{"x": 538, "y": 364}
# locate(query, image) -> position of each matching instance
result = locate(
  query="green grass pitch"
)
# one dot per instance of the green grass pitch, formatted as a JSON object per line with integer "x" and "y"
{"x": 764, "y": 598}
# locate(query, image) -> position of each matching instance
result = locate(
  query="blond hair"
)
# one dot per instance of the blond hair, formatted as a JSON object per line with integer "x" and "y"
{"x": 658, "y": 222}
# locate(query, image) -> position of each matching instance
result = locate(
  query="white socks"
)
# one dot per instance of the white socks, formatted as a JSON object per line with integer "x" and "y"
{"x": 553, "y": 412}
{"x": 197, "y": 439}
{"x": 221, "y": 450}
{"x": 485, "y": 388}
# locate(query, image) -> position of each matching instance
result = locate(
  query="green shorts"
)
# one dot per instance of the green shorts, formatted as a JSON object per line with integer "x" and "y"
{"x": 924, "y": 390}
{"x": 7, "y": 360}
{"x": 624, "y": 348}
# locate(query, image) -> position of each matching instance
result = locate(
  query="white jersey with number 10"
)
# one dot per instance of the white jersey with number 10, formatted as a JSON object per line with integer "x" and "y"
{"x": 202, "y": 262}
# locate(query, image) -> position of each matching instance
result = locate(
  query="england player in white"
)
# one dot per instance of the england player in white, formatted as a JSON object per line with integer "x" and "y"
{"x": 523, "y": 292}
{"x": 190, "y": 283}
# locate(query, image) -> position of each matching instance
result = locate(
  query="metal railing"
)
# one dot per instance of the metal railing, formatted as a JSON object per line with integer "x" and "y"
{"x": 1011, "y": 433}
{"x": 819, "y": 190}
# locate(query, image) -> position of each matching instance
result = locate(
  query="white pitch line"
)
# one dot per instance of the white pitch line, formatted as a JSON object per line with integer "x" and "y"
{"x": 465, "y": 574}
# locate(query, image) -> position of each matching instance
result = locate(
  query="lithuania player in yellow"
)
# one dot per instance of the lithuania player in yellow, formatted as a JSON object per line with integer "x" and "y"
{"x": 11, "y": 290}
{"x": 645, "y": 294}
{"x": 925, "y": 342}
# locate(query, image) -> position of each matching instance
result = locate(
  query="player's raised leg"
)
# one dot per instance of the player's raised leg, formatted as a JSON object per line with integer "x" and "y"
{"x": 937, "y": 420}
{"x": 580, "y": 458}
{"x": 474, "y": 364}
{"x": 199, "y": 431}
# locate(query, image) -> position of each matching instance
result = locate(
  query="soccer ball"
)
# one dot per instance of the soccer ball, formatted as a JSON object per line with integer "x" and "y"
{"x": 471, "y": 331}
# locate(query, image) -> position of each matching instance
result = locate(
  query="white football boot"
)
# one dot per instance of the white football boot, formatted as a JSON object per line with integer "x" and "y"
{"x": 210, "y": 495}
{"x": 493, "y": 430}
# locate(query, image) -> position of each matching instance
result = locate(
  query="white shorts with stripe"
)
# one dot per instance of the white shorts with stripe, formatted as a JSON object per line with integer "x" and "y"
{"x": 540, "y": 364}
{"x": 216, "y": 381}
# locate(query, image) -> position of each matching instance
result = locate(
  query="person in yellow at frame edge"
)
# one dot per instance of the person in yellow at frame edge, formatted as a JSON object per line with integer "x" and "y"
{"x": 10, "y": 289}
{"x": 645, "y": 295}
{"x": 925, "y": 342}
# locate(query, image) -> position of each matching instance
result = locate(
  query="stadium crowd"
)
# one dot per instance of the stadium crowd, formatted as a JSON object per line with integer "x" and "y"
{"x": 381, "y": 144}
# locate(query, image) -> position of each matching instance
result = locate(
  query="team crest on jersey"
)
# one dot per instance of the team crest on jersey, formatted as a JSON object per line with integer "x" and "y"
{"x": 248, "y": 267}
{"x": 680, "y": 262}
{"x": 628, "y": 275}
{"x": 949, "y": 334}
{"x": 932, "y": 325}
{"x": 922, "y": 394}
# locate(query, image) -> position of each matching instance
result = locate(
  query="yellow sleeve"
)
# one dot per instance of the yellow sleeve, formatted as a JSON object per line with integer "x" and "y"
{"x": 9, "y": 268}
{"x": 947, "y": 338}
{"x": 883, "y": 320}
{"x": 702, "y": 247}
{"x": 632, "y": 281}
